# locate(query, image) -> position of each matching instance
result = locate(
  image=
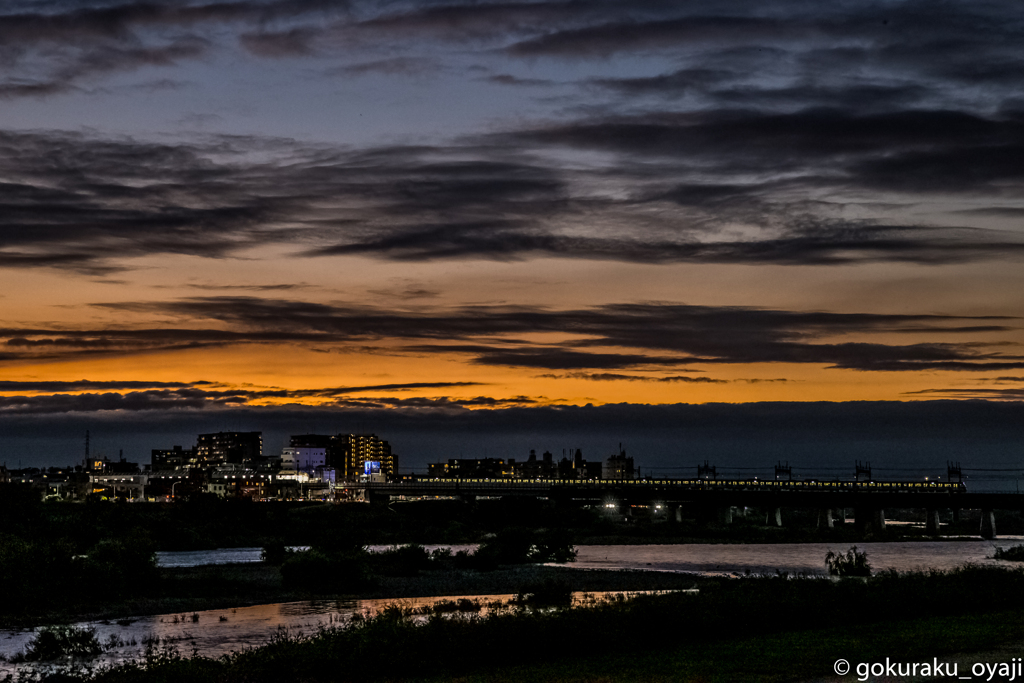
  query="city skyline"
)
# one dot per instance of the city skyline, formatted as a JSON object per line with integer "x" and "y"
{"x": 303, "y": 212}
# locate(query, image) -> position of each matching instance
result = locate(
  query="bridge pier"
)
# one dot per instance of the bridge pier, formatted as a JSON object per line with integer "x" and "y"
{"x": 869, "y": 520}
{"x": 988, "y": 523}
{"x": 774, "y": 517}
{"x": 561, "y": 502}
{"x": 825, "y": 518}
{"x": 840, "y": 516}
{"x": 931, "y": 524}
{"x": 466, "y": 498}
{"x": 378, "y": 499}
{"x": 956, "y": 515}
{"x": 724, "y": 515}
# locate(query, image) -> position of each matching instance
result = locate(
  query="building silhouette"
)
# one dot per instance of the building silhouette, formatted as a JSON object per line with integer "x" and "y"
{"x": 176, "y": 458}
{"x": 224, "y": 448}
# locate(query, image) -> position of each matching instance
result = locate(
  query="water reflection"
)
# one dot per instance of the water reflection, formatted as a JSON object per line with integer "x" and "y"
{"x": 212, "y": 633}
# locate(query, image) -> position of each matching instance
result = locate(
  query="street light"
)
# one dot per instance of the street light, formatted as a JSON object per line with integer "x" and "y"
{"x": 172, "y": 488}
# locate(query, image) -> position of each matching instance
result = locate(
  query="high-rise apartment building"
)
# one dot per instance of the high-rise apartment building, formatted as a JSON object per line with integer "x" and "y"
{"x": 349, "y": 453}
{"x": 228, "y": 447}
{"x": 177, "y": 458}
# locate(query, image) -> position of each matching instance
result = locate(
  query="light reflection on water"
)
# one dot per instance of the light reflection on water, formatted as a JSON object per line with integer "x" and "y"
{"x": 213, "y": 633}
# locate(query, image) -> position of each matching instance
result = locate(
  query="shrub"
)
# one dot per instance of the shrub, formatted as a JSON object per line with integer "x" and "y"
{"x": 315, "y": 570}
{"x": 56, "y": 642}
{"x": 509, "y": 546}
{"x": 553, "y": 546}
{"x": 121, "y": 566}
{"x": 547, "y": 593}
{"x": 850, "y": 563}
{"x": 274, "y": 553}
{"x": 406, "y": 560}
{"x": 1014, "y": 554}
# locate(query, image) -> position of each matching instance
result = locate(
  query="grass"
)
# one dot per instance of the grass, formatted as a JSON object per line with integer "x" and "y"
{"x": 798, "y": 655}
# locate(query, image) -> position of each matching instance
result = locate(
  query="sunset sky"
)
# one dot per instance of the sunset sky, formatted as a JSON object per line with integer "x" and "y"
{"x": 368, "y": 211}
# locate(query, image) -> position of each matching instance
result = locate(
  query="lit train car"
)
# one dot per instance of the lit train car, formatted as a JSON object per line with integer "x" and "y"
{"x": 703, "y": 484}
{"x": 815, "y": 485}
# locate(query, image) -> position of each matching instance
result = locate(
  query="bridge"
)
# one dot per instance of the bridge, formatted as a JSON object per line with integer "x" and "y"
{"x": 716, "y": 499}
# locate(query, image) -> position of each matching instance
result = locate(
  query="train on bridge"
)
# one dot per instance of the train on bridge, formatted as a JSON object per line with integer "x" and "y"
{"x": 709, "y": 484}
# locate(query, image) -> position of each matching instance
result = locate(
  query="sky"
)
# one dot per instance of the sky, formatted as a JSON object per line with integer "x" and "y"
{"x": 530, "y": 217}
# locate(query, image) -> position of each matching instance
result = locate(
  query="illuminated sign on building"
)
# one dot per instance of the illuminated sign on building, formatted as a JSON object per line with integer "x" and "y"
{"x": 371, "y": 467}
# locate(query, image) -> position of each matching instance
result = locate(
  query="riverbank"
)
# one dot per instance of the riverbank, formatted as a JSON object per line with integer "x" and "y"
{"x": 752, "y": 629}
{"x": 192, "y": 589}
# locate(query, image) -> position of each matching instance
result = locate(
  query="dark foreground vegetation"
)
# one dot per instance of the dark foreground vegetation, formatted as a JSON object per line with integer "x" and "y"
{"x": 1014, "y": 554}
{"x": 720, "y": 633}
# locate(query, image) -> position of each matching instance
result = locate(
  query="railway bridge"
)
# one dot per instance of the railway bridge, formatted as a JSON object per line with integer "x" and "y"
{"x": 716, "y": 499}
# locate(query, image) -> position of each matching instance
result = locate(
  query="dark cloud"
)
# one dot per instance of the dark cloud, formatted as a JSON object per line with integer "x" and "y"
{"x": 509, "y": 79}
{"x": 600, "y": 338}
{"x": 615, "y": 377}
{"x": 291, "y": 43}
{"x": 604, "y": 40}
{"x": 337, "y": 391}
{"x": 779, "y": 124}
{"x": 254, "y": 288}
{"x": 407, "y": 66}
{"x": 200, "y": 387}
{"x": 481, "y": 21}
{"x": 59, "y": 47}
{"x": 407, "y": 293}
{"x": 554, "y": 358}
{"x": 73, "y": 202}
{"x": 193, "y": 398}
{"x": 671, "y": 85}
{"x": 794, "y": 140}
{"x": 84, "y": 384}
{"x": 965, "y": 393}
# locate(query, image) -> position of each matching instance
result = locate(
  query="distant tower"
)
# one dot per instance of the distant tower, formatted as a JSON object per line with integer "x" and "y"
{"x": 706, "y": 471}
{"x": 86, "y": 446}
